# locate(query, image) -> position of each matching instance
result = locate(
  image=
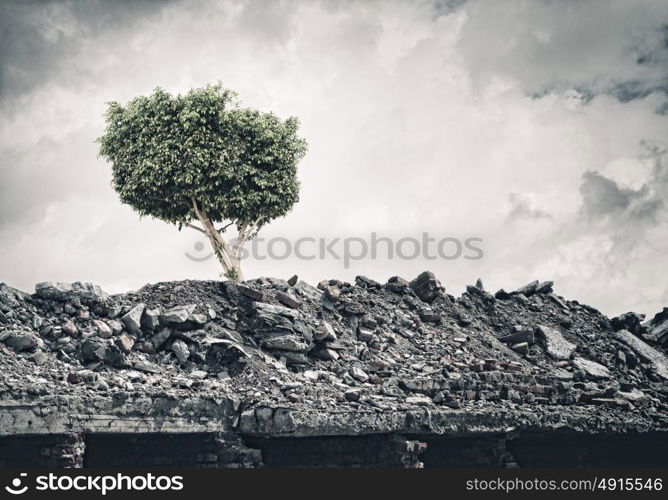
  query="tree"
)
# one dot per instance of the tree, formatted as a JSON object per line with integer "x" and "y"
{"x": 201, "y": 161}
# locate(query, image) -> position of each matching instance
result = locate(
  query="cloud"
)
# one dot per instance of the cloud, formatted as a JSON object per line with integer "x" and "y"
{"x": 613, "y": 47}
{"x": 523, "y": 207}
{"x": 604, "y": 200}
{"x": 42, "y": 40}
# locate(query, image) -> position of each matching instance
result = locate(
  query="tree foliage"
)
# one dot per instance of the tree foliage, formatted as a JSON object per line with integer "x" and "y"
{"x": 200, "y": 157}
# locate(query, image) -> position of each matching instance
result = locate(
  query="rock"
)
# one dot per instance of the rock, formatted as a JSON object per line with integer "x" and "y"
{"x": 272, "y": 309}
{"x": 326, "y": 354}
{"x": 419, "y": 401}
{"x": 352, "y": 308}
{"x": 527, "y": 290}
{"x": 292, "y": 358}
{"x": 430, "y": 316}
{"x": 332, "y": 293}
{"x": 368, "y": 283}
{"x": 294, "y": 398}
{"x": 114, "y": 312}
{"x": 621, "y": 357}
{"x": 426, "y": 286}
{"x": 477, "y": 292}
{"x": 628, "y": 321}
{"x": 92, "y": 351}
{"x": 87, "y": 292}
{"x": 23, "y": 340}
{"x": 37, "y": 322}
{"x": 197, "y": 320}
{"x": 115, "y": 325}
{"x": 177, "y": 315}
{"x": 358, "y": 374}
{"x": 69, "y": 328}
{"x": 521, "y": 336}
{"x": 522, "y": 348}
{"x": 657, "y": 328}
{"x": 657, "y": 360}
{"x": 39, "y": 358}
{"x": 634, "y": 396}
{"x": 199, "y": 374}
{"x": 311, "y": 375}
{"x": 88, "y": 377}
{"x": 161, "y": 337}
{"x": 365, "y": 335}
{"x": 150, "y": 319}
{"x": 226, "y": 353}
{"x": 132, "y": 319}
{"x": 125, "y": 343}
{"x": 288, "y": 300}
{"x": 103, "y": 329}
{"x": 544, "y": 287}
{"x": 479, "y": 285}
{"x": 592, "y": 370}
{"x": 285, "y": 343}
{"x": 535, "y": 287}
{"x": 307, "y": 290}
{"x": 10, "y": 295}
{"x": 145, "y": 366}
{"x": 352, "y": 395}
{"x": 561, "y": 374}
{"x": 397, "y": 284}
{"x": 293, "y": 281}
{"x": 74, "y": 378}
{"x": 324, "y": 332}
{"x": 554, "y": 343}
{"x": 250, "y": 292}
{"x": 502, "y": 295}
{"x": 180, "y": 349}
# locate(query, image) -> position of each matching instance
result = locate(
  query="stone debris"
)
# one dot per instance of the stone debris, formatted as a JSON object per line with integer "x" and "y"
{"x": 374, "y": 350}
{"x": 656, "y": 359}
{"x": 535, "y": 287}
{"x": 177, "y": 315}
{"x": 426, "y": 286}
{"x": 591, "y": 369}
{"x": 288, "y": 300}
{"x": 86, "y": 292}
{"x": 132, "y": 319}
{"x": 150, "y": 319}
{"x": 180, "y": 348}
{"x": 629, "y": 321}
{"x": 554, "y": 343}
{"x": 657, "y": 328}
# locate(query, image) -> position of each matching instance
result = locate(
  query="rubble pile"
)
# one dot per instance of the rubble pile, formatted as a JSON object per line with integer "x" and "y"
{"x": 365, "y": 348}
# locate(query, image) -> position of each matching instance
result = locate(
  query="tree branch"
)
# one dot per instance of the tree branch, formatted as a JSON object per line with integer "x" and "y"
{"x": 222, "y": 229}
{"x": 193, "y": 226}
{"x": 197, "y": 212}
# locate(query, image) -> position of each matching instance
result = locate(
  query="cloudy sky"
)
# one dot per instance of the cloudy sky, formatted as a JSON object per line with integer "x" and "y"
{"x": 539, "y": 126}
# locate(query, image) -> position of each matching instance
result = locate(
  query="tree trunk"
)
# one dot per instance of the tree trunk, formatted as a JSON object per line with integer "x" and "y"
{"x": 231, "y": 265}
{"x": 225, "y": 255}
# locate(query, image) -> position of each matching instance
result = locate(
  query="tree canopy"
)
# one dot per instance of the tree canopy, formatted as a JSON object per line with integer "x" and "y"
{"x": 201, "y": 157}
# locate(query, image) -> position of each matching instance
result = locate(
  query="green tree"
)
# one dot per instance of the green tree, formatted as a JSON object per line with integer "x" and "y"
{"x": 201, "y": 161}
